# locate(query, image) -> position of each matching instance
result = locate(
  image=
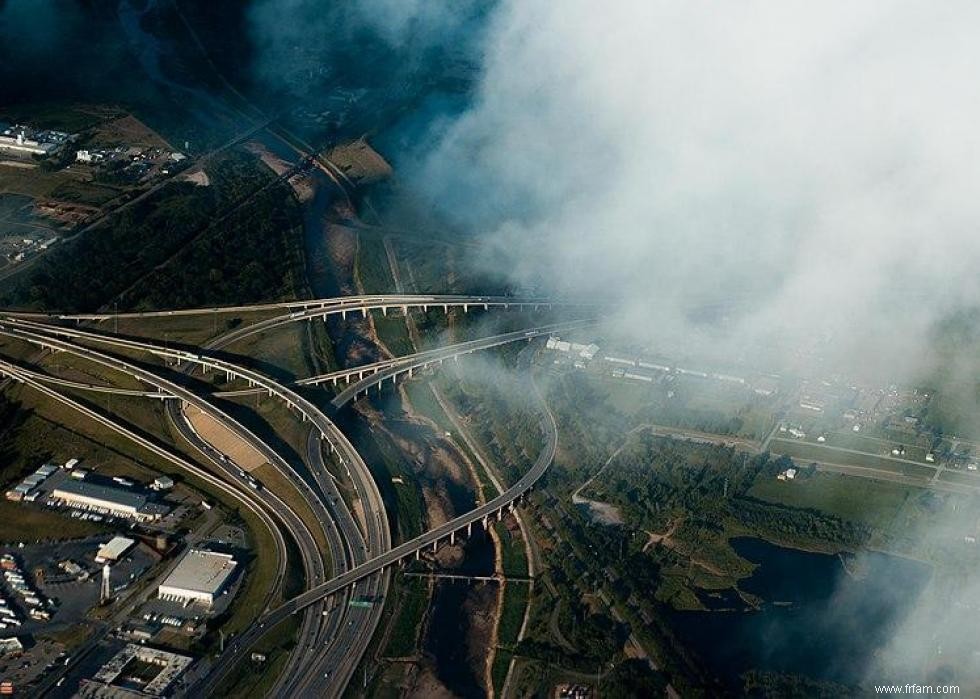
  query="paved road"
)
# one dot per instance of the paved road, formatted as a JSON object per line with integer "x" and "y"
{"x": 375, "y": 526}
{"x": 377, "y": 535}
{"x": 313, "y": 307}
{"x": 313, "y": 563}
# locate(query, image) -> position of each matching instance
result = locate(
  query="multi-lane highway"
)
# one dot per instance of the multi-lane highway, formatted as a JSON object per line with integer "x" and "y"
{"x": 333, "y": 637}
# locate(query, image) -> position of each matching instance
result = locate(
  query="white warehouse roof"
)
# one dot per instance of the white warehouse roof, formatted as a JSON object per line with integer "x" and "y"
{"x": 199, "y": 575}
{"x": 114, "y": 549}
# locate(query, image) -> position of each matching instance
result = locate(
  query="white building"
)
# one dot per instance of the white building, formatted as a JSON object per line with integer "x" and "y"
{"x": 162, "y": 483}
{"x": 113, "y": 550}
{"x": 199, "y": 577}
{"x": 24, "y": 139}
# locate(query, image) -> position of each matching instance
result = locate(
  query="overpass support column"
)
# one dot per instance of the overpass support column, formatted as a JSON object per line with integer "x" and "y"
{"x": 418, "y": 554}
{"x": 466, "y": 308}
{"x": 452, "y": 538}
{"x": 486, "y": 522}
{"x": 405, "y": 309}
{"x": 469, "y": 530}
{"x": 410, "y": 370}
{"x": 384, "y": 310}
{"x": 435, "y": 545}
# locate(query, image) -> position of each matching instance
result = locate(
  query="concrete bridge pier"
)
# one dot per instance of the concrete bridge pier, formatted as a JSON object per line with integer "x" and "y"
{"x": 343, "y": 314}
{"x": 418, "y": 554}
{"x": 452, "y": 538}
{"x": 486, "y": 521}
{"x": 405, "y": 309}
{"x": 469, "y": 529}
{"x": 435, "y": 545}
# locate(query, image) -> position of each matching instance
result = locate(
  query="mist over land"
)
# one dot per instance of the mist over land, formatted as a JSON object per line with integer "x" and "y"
{"x": 784, "y": 184}
{"x": 789, "y": 181}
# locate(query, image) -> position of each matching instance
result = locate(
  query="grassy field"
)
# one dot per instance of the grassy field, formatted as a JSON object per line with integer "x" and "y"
{"x": 371, "y": 266}
{"x": 804, "y": 452}
{"x": 858, "y": 499}
{"x": 414, "y": 599}
{"x": 512, "y": 614}
{"x": 30, "y": 522}
{"x": 393, "y": 332}
{"x": 512, "y": 551}
{"x": 250, "y": 679}
{"x": 280, "y": 352}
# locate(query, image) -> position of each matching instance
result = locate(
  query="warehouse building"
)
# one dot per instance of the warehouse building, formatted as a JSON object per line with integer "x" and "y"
{"x": 106, "y": 499}
{"x": 200, "y": 576}
{"x": 113, "y": 550}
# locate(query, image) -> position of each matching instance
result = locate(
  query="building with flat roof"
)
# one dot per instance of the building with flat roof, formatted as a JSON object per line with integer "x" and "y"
{"x": 199, "y": 577}
{"x": 30, "y": 141}
{"x": 88, "y": 495}
{"x": 135, "y": 671}
{"x": 113, "y": 550}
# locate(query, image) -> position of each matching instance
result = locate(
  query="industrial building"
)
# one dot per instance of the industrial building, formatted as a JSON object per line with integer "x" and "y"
{"x": 199, "y": 577}
{"x": 107, "y": 499}
{"x": 30, "y": 141}
{"x": 113, "y": 550}
{"x": 126, "y": 673}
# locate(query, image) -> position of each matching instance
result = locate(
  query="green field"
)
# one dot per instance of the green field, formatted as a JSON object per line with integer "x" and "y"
{"x": 413, "y": 601}
{"x": 805, "y": 452}
{"x": 29, "y": 521}
{"x": 850, "y": 497}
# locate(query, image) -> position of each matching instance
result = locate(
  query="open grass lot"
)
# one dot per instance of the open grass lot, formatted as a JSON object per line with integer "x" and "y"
{"x": 250, "y": 679}
{"x": 512, "y": 551}
{"x": 30, "y": 522}
{"x": 811, "y": 452}
{"x": 75, "y": 368}
{"x": 372, "y": 271}
{"x": 281, "y": 351}
{"x": 413, "y": 599}
{"x": 875, "y": 445}
{"x": 393, "y": 332}
{"x": 58, "y": 116}
{"x": 54, "y": 431}
{"x": 425, "y": 403}
{"x": 858, "y": 499}
{"x": 34, "y": 182}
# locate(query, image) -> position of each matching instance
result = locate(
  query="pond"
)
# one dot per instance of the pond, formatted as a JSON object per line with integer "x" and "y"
{"x": 822, "y": 616}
